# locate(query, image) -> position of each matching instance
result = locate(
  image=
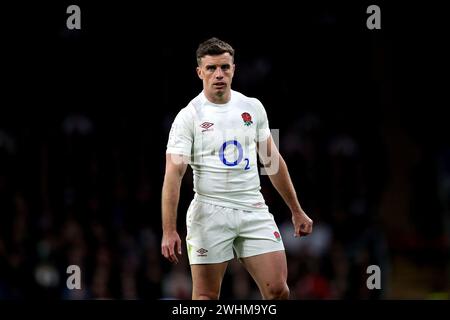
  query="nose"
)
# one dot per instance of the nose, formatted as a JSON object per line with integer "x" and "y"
{"x": 218, "y": 73}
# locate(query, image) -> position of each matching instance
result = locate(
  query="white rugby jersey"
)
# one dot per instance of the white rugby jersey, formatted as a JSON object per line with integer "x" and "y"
{"x": 220, "y": 140}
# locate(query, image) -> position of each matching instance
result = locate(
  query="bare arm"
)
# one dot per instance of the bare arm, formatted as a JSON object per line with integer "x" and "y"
{"x": 171, "y": 243}
{"x": 279, "y": 176}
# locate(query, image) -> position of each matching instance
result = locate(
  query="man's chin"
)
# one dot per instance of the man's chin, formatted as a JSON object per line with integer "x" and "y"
{"x": 221, "y": 89}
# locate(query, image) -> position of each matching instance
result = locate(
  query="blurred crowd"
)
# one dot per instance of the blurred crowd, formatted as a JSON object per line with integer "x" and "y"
{"x": 90, "y": 196}
{"x": 82, "y": 185}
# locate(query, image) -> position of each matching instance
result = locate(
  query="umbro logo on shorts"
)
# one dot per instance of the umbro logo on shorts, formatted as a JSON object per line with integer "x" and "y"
{"x": 206, "y": 126}
{"x": 202, "y": 252}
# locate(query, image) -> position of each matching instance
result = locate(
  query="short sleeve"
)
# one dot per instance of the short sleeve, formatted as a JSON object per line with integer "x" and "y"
{"x": 262, "y": 130}
{"x": 181, "y": 134}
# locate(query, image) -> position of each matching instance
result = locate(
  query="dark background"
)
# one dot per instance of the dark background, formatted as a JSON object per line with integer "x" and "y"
{"x": 85, "y": 116}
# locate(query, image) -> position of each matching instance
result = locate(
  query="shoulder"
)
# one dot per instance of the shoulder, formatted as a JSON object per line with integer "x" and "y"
{"x": 255, "y": 103}
{"x": 191, "y": 110}
{"x": 251, "y": 103}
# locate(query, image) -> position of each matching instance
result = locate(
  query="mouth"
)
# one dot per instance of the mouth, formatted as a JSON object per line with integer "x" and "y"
{"x": 219, "y": 85}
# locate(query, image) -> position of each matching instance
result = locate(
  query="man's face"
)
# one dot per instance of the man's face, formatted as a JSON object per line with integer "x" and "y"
{"x": 217, "y": 73}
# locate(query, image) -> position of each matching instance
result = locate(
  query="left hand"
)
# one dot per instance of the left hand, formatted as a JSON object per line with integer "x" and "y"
{"x": 302, "y": 223}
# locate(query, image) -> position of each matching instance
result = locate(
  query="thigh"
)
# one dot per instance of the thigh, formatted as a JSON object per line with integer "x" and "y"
{"x": 269, "y": 270}
{"x": 210, "y": 234}
{"x": 258, "y": 234}
{"x": 207, "y": 280}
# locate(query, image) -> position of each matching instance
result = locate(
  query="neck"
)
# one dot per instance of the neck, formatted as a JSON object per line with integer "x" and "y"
{"x": 219, "y": 99}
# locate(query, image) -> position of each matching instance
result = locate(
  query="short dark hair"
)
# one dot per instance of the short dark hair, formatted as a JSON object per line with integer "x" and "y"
{"x": 213, "y": 47}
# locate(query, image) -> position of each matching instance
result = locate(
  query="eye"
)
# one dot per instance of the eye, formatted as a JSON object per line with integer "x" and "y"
{"x": 210, "y": 68}
{"x": 225, "y": 67}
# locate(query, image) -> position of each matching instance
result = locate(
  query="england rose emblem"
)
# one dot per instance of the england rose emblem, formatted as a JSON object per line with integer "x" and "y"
{"x": 277, "y": 235}
{"x": 247, "y": 118}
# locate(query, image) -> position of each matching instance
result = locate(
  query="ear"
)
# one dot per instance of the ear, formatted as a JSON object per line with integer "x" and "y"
{"x": 233, "y": 68}
{"x": 199, "y": 73}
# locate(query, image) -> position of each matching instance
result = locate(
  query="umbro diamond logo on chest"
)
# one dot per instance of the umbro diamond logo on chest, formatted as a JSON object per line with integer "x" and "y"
{"x": 206, "y": 126}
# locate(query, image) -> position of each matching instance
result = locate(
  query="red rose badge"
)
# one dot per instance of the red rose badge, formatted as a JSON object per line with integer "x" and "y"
{"x": 247, "y": 118}
{"x": 277, "y": 236}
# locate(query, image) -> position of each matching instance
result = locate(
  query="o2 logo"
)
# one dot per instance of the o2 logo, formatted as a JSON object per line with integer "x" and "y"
{"x": 240, "y": 155}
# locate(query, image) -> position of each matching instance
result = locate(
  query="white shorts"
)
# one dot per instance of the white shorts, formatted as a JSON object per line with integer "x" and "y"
{"x": 213, "y": 232}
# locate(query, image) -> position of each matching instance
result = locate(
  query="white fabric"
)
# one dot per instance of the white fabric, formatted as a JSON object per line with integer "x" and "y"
{"x": 214, "y": 232}
{"x": 220, "y": 140}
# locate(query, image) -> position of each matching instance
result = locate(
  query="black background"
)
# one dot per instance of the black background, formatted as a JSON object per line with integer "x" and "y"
{"x": 131, "y": 68}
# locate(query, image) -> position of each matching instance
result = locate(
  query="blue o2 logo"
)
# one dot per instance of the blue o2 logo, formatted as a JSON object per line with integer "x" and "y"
{"x": 222, "y": 155}
{"x": 240, "y": 156}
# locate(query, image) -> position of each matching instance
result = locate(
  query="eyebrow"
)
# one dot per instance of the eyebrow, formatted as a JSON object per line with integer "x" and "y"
{"x": 216, "y": 65}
